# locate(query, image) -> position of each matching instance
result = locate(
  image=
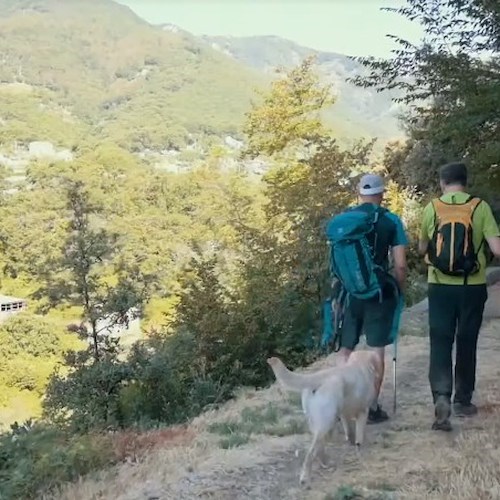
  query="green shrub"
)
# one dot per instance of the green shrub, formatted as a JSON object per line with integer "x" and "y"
{"x": 28, "y": 334}
{"x": 157, "y": 384}
{"x": 88, "y": 397}
{"x": 30, "y": 348}
{"x": 35, "y": 460}
{"x": 416, "y": 289}
{"x": 167, "y": 385}
{"x": 220, "y": 343}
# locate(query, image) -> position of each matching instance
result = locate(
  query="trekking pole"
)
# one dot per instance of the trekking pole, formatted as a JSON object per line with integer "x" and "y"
{"x": 397, "y": 319}
{"x": 394, "y": 356}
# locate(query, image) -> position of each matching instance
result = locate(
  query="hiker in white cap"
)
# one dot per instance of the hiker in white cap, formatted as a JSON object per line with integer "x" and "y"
{"x": 370, "y": 185}
{"x": 362, "y": 239}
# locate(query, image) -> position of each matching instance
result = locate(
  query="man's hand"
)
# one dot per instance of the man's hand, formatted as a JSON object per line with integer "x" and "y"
{"x": 422, "y": 246}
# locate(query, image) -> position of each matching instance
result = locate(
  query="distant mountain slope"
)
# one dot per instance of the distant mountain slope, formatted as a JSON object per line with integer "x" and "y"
{"x": 102, "y": 65}
{"x": 357, "y": 110}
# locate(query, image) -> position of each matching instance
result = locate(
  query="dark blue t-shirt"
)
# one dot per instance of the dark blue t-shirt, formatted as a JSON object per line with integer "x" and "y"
{"x": 390, "y": 233}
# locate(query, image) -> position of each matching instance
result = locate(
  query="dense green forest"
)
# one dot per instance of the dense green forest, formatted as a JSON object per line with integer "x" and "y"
{"x": 222, "y": 266}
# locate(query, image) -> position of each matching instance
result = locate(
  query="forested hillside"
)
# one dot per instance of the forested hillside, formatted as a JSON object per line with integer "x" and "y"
{"x": 221, "y": 267}
{"x": 109, "y": 74}
{"x": 105, "y": 73}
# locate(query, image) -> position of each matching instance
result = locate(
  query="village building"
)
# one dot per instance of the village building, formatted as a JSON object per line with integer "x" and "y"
{"x": 10, "y": 306}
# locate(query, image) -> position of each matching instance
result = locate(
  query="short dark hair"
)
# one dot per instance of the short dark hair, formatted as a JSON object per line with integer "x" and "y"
{"x": 453, "y": 173}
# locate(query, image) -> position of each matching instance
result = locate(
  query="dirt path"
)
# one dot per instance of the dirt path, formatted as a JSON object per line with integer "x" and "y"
{"x": 402, "y": 458}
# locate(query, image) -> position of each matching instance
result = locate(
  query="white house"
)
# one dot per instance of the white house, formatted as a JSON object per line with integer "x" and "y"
{"x": 10, "y": 306}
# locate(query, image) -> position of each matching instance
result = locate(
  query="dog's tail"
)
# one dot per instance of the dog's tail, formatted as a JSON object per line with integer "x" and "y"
{"x": 297, "y": 382}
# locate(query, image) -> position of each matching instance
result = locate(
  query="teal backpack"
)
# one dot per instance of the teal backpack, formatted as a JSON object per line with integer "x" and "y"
{"x": 349, "y": 235}
{"x": 352, "y": 239}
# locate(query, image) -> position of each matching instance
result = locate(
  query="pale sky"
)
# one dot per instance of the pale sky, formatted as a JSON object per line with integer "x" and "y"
{"x": 352, "y": 27}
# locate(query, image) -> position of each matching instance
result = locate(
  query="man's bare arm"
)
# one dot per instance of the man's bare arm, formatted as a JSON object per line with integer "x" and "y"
{"x": 400, "y": 267}
{"x": 422, "y": 246}
{"x": 494, "y": 244}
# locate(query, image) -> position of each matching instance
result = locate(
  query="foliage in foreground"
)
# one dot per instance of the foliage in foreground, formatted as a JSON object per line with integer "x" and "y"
{"x": 34, "y": 460}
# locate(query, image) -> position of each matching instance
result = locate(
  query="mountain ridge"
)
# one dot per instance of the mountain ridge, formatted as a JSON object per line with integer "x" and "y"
{"x": 363, "y": 108}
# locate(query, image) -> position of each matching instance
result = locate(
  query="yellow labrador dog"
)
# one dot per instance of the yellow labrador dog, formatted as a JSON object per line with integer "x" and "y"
{"x": 345, "y": 391}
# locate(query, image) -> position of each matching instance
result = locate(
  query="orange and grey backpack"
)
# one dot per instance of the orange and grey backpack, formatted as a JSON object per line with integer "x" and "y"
{"x": 451, "y": 248}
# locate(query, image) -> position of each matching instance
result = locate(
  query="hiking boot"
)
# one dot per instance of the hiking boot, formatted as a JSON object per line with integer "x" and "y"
{"x": 464, "y": 410}
{"x": 377, "y": 416}
{"x": 444, "y": 425}
{"x": 442, "y": 412}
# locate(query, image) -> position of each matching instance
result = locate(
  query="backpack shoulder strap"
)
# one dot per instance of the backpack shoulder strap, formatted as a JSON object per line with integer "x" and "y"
{"x": 382, "y": 211}
{"x": 438, "y": 203}
{"x": 376, "y": 210}
{"x": 435, "y": 203}
{"x": 475, "y": 201}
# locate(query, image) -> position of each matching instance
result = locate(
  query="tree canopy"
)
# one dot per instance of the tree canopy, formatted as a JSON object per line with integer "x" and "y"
{"x": 451, "y": 82}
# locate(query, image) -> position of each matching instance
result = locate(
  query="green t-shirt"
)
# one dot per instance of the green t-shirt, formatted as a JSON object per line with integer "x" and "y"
{"x": 483, "y": 226}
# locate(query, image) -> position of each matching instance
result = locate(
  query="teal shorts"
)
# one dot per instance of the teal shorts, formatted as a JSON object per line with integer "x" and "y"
{"x": 371, "y": 317}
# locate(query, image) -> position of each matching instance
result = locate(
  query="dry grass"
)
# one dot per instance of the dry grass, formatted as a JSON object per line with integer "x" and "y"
{"x": 253, "y": 447}
{"x": 132, "y": 446}
{"x": 468, "y": 470}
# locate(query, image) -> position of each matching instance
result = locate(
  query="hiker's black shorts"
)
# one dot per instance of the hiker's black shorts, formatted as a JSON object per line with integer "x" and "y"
{"x": 370, "y": 317}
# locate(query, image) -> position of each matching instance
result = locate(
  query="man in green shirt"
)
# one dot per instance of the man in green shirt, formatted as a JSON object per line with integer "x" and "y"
{"x": 456, "y": 301}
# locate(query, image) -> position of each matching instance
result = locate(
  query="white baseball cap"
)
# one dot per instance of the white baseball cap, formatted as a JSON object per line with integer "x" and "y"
{"x": 371, "y": 184}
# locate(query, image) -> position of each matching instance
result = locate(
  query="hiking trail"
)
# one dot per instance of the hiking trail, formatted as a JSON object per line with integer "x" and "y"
{"x": 401, "y": 459}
